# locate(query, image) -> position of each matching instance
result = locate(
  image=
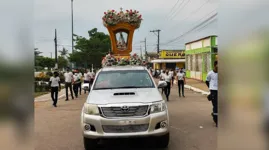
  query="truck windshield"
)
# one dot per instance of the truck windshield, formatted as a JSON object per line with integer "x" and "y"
{"x": 123, "y": 79}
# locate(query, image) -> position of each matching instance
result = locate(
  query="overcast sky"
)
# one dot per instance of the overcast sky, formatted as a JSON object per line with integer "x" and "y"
{"x": 157, "y": 14}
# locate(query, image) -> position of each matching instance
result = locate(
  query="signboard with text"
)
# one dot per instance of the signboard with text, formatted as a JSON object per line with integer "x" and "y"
{"x": 176, "y": 54}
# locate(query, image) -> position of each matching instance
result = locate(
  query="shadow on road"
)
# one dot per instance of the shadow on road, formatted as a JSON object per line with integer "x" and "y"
{"x": 130, "y": 144}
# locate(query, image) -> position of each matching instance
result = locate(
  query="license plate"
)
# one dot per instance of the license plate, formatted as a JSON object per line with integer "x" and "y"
{"x": 127, "y": 122}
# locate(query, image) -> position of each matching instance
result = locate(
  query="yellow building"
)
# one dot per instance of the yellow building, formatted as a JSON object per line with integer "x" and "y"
{"x": 170, "y": 59}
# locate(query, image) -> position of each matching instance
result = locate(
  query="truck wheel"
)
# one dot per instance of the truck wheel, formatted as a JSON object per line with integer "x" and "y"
{"x": 90, "y": 144}
{"x": 163, "y": 141}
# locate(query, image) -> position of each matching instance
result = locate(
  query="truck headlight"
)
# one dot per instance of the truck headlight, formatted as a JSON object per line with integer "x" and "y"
{"x": 157, "y": 107}
{"x": 91, "y": 109}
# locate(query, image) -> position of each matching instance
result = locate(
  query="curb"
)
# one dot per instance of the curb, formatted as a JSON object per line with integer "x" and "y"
{"x": 196, "y": 90}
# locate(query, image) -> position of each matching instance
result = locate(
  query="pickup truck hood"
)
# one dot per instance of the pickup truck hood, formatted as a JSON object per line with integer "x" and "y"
{"x": 141, "y": 95}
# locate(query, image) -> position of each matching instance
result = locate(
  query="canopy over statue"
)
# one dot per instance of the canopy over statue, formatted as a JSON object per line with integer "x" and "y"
{"x": 121, "y": 27}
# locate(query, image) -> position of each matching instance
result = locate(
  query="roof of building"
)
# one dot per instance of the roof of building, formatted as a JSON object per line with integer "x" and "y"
{"x": 201, "y": 39}
{"x": 126, "y": 67}
{"x": 167, "y": 60}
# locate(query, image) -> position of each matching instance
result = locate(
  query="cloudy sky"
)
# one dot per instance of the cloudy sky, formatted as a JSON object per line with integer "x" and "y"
{"x": 172, "y": 17}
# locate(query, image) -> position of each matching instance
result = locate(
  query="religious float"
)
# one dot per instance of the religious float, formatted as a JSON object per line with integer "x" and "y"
{"x": 121, "y": 26}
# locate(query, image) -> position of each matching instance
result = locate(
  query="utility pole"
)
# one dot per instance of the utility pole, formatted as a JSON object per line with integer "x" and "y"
{"x": 158, "y": 44}
{"x": 141, "y": 52}
{"x": 56, "y": 57}
{"x": 50, "y": 54}
{"x": 145, "y": 41}
{"x": 72, "y": 26}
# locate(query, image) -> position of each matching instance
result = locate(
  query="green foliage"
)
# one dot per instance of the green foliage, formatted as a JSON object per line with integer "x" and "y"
{"x": 90, "y": 50}
{"x": 62, "y": 62}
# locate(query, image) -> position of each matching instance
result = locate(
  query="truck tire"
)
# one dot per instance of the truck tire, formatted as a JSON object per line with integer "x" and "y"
{"x": 163, "y": 141}
{"x": 90, "y": 144}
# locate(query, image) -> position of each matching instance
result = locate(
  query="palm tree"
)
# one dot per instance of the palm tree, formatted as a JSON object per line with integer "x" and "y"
{"x": 37, "y": 53}
{"x": 64, "y": 52}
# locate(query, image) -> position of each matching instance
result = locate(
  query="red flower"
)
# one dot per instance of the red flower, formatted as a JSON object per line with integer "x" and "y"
{"x": 113, "y": 10}
{"x": 111, "y": 17}
{"x": 127, "y": 10}
{"x": 105, "y": 13}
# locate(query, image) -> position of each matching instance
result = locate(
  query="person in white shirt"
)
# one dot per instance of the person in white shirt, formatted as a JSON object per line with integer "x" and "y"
{"x": 79, "y": 85}
{"x": 212, "y": 83}
{"x": 162, "y": 78}
{"x": 55, "y": 85}
{"x": 68, "y": 83}
{"x": 171, "y": 73}
{"x": 90, "y": 75}
{"x": 76, "y": 84}
{"x": 181, "y": 81}
{"x": 168, "y": 80}
{"x": 86, "y": 79}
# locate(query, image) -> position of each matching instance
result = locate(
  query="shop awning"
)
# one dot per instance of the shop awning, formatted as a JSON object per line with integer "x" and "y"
{"x": 167, "y": 60}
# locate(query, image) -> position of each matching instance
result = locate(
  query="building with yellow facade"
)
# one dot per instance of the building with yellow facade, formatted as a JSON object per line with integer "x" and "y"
{"x": 169, "y": 59}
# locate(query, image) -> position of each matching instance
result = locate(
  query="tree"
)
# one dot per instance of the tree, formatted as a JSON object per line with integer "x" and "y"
{"x": 62, "y": 62}
{"x": 90, "y": 50}
{"x": 37, "y": 53}
{"x": 63, "y": 52}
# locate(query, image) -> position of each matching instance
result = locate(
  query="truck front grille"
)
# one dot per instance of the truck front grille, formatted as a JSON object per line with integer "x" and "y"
{"x": 125, "y": 129}
{"x": 131, "y": 111}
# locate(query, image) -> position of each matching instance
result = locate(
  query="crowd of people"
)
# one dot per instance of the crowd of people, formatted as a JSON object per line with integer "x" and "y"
{"x": 73, "y": 84}
{"x": 178, "y": 77}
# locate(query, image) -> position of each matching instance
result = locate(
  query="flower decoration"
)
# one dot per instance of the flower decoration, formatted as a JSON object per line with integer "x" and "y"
{"x": 110, "y": 60}
{"x": 111, "y": 17}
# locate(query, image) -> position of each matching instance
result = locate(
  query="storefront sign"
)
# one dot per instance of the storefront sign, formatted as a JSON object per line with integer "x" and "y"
{"x": 180, "y": 54}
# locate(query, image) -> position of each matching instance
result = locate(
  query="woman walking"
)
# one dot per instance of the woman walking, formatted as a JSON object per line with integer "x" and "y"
{"x": 55, "y": 87}
{"x": 168, "y": 80}
{"x": 181, "y": 81}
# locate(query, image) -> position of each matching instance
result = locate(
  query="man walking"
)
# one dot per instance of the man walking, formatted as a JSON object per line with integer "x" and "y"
{"x": 80, "y": 80}
{"x": 76, "y": 84}
{"x": 86, "y": 80}
{"x": 55, "y": 86}
{"x": 181, "y": 82}
{"x": 68, "y": 83}
{"x": 212, "y": 83}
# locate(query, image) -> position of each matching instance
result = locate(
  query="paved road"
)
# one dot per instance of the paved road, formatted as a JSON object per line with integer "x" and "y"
{"x": 191, "y": 125}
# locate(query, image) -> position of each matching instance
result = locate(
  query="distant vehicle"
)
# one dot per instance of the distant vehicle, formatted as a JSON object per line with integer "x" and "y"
{"x": 125, "y": 102}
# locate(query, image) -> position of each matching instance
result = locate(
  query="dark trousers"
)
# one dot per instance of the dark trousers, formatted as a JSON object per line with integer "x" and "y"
{"x": 68, "y": 85}
{"x": 75, "y": 88}
{"x": 214, "y": 94}
{"x": 54, "y": 94}
{"x": 79, "y": 88}
{"x": 180, "y": 84}
{"x": 173, "y": 78}
{"x": 167, "y": 90}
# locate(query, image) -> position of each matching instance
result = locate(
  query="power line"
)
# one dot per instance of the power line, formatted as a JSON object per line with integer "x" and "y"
{"x": 171, "y": 11}
{"x": 192, "y": 13}
{"x": 175, "y": 14}
{"x": 192, "y": 29}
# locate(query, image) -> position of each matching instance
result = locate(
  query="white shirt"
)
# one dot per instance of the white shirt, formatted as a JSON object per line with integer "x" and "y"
{"x": 54, "y": 81}
{"x": 80, "y": 75}
{"x": 89, "y": 75}
{"x": 76, "y": 77}
{"x": 180, "y": 76}
{"x": 171, "y": 73}
{"x": 212, "y": 77}
{"x": 68, "y": 76}
{"x": 167, "y": 78}
{"x": 86, "y": 77}
{"x": 162, "y": 76}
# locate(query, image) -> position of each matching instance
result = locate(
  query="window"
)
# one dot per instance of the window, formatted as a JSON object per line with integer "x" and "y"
{"x": 123, "y": 79}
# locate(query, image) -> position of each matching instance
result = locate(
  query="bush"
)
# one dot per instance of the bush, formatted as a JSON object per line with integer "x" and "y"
{"x": 49, "y": 73}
